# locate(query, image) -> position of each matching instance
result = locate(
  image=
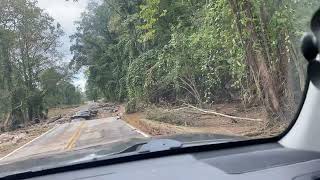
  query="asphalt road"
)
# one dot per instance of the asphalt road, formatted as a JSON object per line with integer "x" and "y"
{"x": 76, "y": 135}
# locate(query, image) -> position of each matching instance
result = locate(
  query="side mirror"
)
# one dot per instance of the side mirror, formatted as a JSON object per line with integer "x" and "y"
{"x": 310, "y": 41}
{"x": 310, "y": 46}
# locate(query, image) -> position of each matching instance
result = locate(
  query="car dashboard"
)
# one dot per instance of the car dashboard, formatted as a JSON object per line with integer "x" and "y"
{"x": 263, "y": 162}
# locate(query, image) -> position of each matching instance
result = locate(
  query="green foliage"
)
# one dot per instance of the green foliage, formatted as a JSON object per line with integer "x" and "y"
{"x": 150, "y": 14}
{"x": 203, "y": 51}
{"x": 131, "y": 106}
{"x": 29, "y": 79}
{"x": 58, "y": 90}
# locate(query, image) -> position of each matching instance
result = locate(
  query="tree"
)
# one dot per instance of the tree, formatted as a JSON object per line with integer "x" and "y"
{"x": 28, "y": 55}
{"x": 57, "y": 88}
{"x": 201, "y": 52}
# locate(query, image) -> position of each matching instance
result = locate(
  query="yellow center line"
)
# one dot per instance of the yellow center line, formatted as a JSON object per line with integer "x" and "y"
{"x": 74, "y": 137}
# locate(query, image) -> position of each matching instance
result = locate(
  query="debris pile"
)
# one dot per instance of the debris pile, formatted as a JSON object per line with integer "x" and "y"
{"x": 106, "y": 110}
{"x": 108, "y": 107}
{"x": 83, "y": 114}
{"x": 7, "y": 138}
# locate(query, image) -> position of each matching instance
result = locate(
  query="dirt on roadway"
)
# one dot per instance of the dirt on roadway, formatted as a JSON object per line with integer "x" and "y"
{"x": 12, "y": 140}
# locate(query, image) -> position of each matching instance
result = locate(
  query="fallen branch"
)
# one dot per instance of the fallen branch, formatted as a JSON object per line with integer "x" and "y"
{"x": 53, "y": 119}
{"x": 181, "y": 108}
{"x": 17, "y": 106}
{"x": 223, "y": 115}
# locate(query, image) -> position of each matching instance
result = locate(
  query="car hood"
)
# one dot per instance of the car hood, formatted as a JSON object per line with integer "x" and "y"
{"x": 48, "y": 161}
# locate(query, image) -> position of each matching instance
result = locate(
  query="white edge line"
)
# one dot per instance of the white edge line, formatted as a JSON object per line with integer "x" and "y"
{"x": 28, "y": 143}
{"x": 144, "y": 134}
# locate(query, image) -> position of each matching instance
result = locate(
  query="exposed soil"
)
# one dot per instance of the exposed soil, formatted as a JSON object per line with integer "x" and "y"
{"x": 64, "y": 111}
{"x": 10, "y": 141}
{"x": 169, "y": 121}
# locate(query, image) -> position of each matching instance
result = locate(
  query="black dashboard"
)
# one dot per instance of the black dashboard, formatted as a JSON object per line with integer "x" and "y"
{"x": 262, "y": 162}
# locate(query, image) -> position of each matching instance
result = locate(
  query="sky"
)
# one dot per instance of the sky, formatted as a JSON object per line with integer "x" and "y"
{"x": 66, "y": 13}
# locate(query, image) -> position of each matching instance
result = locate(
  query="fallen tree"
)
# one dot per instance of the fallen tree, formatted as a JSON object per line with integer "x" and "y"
{"x": 223, "y": 115}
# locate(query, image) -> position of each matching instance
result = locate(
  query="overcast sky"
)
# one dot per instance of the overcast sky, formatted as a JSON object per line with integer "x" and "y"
{"x": 66, "y": 13}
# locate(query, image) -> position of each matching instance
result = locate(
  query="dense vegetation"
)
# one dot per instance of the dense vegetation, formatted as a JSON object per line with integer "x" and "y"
{"x": 30, "y": 77}
{"x": 154, "y": 51}
{"x": 196, "y": 51}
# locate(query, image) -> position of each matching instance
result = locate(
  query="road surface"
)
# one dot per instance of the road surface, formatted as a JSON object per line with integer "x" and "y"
{"x": 76, "y": 135}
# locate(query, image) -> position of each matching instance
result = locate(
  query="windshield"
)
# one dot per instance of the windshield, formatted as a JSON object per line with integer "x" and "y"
{"x": 86, "y": 74}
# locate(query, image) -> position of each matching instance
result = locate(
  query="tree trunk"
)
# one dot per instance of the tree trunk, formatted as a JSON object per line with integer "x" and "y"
{"x": 299, "y": 66}
{"x": 254, "y": 55}
{"x": 286, "y": 87}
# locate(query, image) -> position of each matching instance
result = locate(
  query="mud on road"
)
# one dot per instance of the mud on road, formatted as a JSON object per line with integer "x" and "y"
{"x": 9, "y": 141}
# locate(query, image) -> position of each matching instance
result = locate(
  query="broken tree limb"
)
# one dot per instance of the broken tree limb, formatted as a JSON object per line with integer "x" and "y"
{"x": 224, "y": 115}
{"x": 181, "y": 108}
{"x": 53, "y": 119}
